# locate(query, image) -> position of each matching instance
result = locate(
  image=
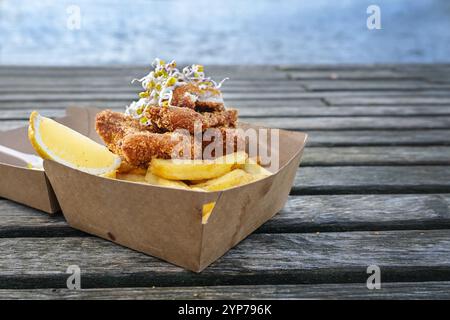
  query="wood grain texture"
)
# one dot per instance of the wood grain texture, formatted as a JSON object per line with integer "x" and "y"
{"x": 383, "y": 85}
{"x": 17, "y": 105}
{"x": 396, "y": 290}
{"x": 341, "y": 156}
{"x": 334, "y": 97}
{"x": 260, "y": 259}
{"x": 216, "y": 72}
{"x": 348, "y": 74}
{"x": 342, "y": 137}
{"x": 110, "y": 84}
{"x": 265, "y": 109}
{"x": 18, "y": 220}
{"x": 354, "y": 123}
{"x": 376, "y": 164}
{"x": 320, "y": 213}
{"x": 329, "y": 123}
{"x": 372, "y": 179}
{"x": 425, "y": 137}
{"x": 374, "y": 101}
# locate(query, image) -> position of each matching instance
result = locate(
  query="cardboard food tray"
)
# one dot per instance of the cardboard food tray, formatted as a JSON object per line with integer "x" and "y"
{"x": 165, "y": 222}
{"x": 29, "y": 186}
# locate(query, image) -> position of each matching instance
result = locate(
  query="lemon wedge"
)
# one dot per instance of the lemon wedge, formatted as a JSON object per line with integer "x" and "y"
{"x": 56, "y": 142}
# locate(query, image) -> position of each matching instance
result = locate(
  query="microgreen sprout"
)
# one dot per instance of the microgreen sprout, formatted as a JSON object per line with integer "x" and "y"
{"x": 160, "y": 83}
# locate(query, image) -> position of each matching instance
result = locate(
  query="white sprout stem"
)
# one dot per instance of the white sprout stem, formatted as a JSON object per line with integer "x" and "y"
{"x": 160, "y": 91}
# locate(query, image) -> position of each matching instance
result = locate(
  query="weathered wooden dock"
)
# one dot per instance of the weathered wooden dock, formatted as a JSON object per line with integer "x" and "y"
{"x": 373, "y": 189}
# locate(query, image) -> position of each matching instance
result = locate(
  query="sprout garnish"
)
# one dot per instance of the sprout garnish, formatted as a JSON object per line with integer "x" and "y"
{"x": 159, "y": 84}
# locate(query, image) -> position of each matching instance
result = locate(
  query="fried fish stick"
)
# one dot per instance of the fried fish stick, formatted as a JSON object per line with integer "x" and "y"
{"x": 191, "y": 96}
{"x": 112, "y": 127}
{"x": 173, "y": 118}
{"x": 138, "y": 144}
{"x": 139, "y": 149}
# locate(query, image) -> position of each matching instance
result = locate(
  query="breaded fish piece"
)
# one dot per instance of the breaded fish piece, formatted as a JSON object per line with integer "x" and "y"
{"x": 231, "y": 141}
{"x": 173, "y": 118}
{"x": 192, "y": 97}
{"x": 138, "y": 144}
{"x": 139, "y": 149}
{"x": 112, "y": 127}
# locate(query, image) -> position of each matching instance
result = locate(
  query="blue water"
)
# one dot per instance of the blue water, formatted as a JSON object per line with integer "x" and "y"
{"x": 223, "y": 32}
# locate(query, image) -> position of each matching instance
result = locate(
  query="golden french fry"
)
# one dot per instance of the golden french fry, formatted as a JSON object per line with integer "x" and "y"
{"x": 195, "y": 182}
{"x": 196, "y": 169}
{"x": 111, "y": 175}
{"x": 231, "y": 179}
{"x": 252, "y": 167}
{"x": 158, "y": 181}
{"x": 235, "y": 158}
{"x": 131, "y": 177}
{"x": 207, "y": 210}
{"x": 125, "y": 167}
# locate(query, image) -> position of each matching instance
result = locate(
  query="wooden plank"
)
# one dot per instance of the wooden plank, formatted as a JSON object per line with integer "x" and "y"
{"x": 384, "y": 85}
{"x": 241, "y": 71}
{"x": 378, "y": 138}
{"x": 275, "y": 104}
{"x": 313, "y": 71}
{"x": 331, "y": 213}
{"x": 354, "y": 123}
{"x": 397, "y": 290}
{"x": 357, "y": 97}
{"x": 405, "y": 100}
{"x": 402, "y": 67}
{"x": 254, "y": 74}
{"x": 328, "y": 123}
{"x": 23, "y": 114}
{"x": 21, "y": 221}
{"x": 346, "y": 138}
{"x": 377, "y": 96}
{"x": 349, "y": 138}
{"x": 372, "y": 179}
{"x": 12, "y": 124}
{"x": 341, "y": 156}
{"x": 50, "y": 90}
{"x": 260, "y": 259}
{"x": 349, "y": 74}
{"x": 267, "y": 110}
{"x": 319, "y": 213}
{"x": 123, "y": 83}
{"x": 283, "y": 67}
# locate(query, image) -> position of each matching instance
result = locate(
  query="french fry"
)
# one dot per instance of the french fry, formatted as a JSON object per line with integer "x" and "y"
{"x": 195, "y": 182}
{"x": 110, "y": 175}
{"x": 128, "y": 168}
{"x": 207, "y": 210}
{"x": 158, "y": 181}
{"x": 131, "y": 177}
{"x": 252, "y": 167}
{"x": 231, "y": 179}
{"x": 196, "y": 169}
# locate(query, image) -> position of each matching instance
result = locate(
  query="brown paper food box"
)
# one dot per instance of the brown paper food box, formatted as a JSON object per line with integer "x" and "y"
{"x": 28, "y": 186}
{"x": 165, "y": 222}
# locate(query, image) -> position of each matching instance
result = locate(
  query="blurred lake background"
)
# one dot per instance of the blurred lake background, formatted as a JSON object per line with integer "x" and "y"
{"x": 223, "y": 32}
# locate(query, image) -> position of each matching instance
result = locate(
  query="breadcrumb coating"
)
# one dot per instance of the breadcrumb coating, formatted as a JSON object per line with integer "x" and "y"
{"x": 173, "y": 118}
{"x": 192, "y": 97}
{"x": 137, "y": 144}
